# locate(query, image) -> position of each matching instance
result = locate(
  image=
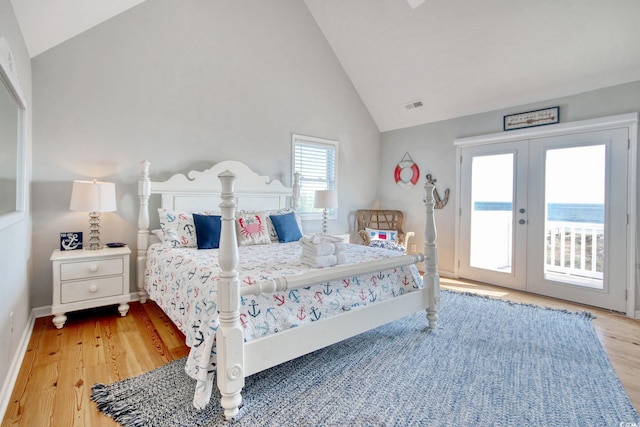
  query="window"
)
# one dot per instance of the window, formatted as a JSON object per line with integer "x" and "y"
{"x": 316, "y": 161}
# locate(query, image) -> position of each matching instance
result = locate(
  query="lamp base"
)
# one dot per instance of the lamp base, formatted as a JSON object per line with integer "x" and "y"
{"x": 94, "y": 231}
{"x": 325, "y": 215}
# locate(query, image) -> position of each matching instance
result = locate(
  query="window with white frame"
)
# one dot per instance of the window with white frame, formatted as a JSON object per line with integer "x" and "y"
{"x": 316, "y": 160}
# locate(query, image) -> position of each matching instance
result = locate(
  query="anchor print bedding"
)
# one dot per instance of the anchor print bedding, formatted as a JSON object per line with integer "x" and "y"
{"x": 183, "y": 282}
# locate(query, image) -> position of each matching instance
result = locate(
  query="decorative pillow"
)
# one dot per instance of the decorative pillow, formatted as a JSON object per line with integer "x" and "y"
{"x": 387, "y": 245}
{"x": 388, "y": 235}
{"x": 178, "y": 228}
{"x": 273, "y": 235}
{"x": 286, "y": 227}
{"x": 251, "y": 228}
{"x": 158, "y": 233}
{"x": 207, "y": 230}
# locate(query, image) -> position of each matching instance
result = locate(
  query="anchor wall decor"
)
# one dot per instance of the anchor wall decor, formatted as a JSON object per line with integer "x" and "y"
{"x": 440, "y": 203}
{"x": 407, "y": 172}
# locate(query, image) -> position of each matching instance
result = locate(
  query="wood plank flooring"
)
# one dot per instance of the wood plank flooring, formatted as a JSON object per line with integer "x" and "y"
{"x": 99, "y": 346}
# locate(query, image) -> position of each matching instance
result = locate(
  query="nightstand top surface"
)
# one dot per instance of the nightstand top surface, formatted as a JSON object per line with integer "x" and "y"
{"x": 86, "y": 253}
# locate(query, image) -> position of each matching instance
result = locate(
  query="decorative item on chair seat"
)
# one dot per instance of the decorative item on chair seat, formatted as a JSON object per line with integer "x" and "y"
{"x": 407, "y": 172}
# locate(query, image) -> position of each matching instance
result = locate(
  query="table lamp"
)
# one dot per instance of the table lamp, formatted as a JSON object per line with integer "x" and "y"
{"x": 325, "y": 199}
{"x": 93, "y": 197}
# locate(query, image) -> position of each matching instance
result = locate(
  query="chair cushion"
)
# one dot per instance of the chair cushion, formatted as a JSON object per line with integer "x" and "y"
{"x": 387, "y": 245}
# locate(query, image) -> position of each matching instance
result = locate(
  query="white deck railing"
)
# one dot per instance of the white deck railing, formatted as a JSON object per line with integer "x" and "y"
{"x": 575, "y": 249}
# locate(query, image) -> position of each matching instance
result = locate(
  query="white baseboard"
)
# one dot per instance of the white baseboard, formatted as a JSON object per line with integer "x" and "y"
{"x": 16, "y": 363}
{"x": 447, "y": 274}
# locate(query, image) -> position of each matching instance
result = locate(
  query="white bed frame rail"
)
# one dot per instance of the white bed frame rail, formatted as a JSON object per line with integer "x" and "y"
{"x": 236, "y": 359}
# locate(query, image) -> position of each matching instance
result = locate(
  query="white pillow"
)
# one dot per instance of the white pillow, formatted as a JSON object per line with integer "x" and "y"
{"x": 178, "y": 229}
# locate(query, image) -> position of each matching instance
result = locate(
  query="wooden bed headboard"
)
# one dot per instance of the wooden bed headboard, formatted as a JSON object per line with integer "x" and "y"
{"x": 200, "y": 191}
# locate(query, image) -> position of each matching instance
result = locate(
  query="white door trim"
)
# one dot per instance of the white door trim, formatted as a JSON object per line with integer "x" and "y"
{"x": 629, "y": 121}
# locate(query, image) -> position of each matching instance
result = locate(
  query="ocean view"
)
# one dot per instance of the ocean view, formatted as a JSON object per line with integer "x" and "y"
{"x": 561, "y": 212}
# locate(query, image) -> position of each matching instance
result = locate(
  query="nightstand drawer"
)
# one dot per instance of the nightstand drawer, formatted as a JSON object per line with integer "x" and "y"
{"x": 91, "y": 289}
{"x": 95, "y": 268}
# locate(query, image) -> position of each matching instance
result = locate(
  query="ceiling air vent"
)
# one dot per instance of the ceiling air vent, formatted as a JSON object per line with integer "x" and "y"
{"x": 413, "y": 104}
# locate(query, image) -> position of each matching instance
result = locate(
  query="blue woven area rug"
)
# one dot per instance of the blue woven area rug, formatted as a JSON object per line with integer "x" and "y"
{"x": 490, "y": 363}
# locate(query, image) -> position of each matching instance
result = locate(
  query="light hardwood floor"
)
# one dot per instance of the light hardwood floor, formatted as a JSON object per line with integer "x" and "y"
{"x": 99, "y": 346}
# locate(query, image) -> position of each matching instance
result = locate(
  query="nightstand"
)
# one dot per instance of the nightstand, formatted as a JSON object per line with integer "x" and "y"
{"x": 89, "y": 278}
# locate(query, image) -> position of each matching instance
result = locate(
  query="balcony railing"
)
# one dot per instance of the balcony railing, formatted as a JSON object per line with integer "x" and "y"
{"x": 576, "y": 250}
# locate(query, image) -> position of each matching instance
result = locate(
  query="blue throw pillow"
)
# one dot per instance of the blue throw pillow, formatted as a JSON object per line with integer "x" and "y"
{"x": 207, "y": 231}
{"x": 286, "y": 227}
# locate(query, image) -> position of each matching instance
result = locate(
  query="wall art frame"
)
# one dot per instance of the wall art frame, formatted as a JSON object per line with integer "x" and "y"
{"x": 542, "y": 117}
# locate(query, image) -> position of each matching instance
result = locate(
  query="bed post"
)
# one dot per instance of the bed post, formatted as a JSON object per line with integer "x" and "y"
{"x": 431, "y": 279}
{"x": 295, "y": 195}
{"x": 144, "y": 191}
{"x": 229, "y": 336}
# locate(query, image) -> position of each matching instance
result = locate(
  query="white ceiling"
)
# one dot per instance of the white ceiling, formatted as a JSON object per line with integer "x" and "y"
{"x": 458, "y": 57}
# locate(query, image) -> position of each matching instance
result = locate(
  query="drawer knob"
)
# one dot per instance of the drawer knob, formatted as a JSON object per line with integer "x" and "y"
{"x": 93, "y": 288}
{"x": 93, "y": 268}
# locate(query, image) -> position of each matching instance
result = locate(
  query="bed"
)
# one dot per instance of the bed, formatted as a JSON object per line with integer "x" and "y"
{"x": 246, "y": 306}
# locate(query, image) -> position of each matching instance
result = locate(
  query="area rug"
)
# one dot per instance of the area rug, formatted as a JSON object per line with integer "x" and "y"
{"x": 490, "y": 363}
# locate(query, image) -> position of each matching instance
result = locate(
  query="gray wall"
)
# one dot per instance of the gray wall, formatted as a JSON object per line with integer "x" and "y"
{"x": 15, "y": 250}
{"x": 431, "y": 147}
{"x": 185, "y": 85}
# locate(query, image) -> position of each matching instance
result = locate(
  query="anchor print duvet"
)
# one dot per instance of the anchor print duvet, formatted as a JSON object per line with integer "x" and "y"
{"x": 183, "y": 282}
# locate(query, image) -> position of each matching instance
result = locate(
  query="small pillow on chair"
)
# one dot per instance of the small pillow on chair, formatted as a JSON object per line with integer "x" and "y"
{"x": 286, "y": 227}
{"x": 387, "y": 235}
{"x": 207, "y": 230}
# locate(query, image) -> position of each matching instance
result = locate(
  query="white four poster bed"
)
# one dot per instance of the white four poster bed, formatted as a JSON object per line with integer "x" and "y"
{"x": 246, "y": 308}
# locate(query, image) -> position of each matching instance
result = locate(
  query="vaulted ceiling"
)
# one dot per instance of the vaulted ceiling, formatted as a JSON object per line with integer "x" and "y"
{"x": 454, "y": 57}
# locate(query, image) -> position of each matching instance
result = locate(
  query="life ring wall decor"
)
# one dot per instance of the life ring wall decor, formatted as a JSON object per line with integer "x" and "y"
{"x": 407, "y": 172}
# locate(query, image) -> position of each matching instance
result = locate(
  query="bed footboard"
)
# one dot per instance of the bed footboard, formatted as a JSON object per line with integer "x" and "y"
{"x": 230, "y": 368}
{"x": 431, "y": 279}
{"x": 229, "y": 336}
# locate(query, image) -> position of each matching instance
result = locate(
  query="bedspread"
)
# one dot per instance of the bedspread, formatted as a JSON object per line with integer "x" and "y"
{"x": 183, "y": 282}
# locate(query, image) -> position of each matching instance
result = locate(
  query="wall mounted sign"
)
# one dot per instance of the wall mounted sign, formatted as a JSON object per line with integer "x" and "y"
{"x": 407, "y": 172}
{"x": 546, "y": 116}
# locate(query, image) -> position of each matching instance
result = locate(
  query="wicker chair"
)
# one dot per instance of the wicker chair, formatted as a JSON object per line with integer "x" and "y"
{"x": 382, "y": 219}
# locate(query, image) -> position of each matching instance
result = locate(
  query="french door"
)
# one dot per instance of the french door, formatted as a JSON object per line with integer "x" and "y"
{"x": 548, "y": 215}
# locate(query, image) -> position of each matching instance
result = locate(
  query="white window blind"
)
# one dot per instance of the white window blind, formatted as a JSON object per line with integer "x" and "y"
{"x": 316, "y": 161}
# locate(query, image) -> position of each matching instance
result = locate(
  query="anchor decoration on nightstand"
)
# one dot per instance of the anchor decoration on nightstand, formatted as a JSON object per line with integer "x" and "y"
{"x": 440, "y": 203}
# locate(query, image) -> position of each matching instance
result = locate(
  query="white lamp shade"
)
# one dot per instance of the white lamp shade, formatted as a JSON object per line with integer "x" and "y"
{"x": 93, "y": 196}
{"x": 326, "y": 199}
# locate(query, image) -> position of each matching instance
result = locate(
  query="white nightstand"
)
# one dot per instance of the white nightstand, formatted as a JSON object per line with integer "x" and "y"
{"x": 89, "y": 278}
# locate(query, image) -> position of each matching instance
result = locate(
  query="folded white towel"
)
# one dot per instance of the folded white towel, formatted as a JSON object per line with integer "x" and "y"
{"x": 329, "y": 238}
{"x": 320, "y": 261}
{"x": 317, "y": 238}
{"x": 314, "y": 238}
{"x": 340, "y": 258}
{"x": 340, "y": 246}
{"x": 318, "y": 249}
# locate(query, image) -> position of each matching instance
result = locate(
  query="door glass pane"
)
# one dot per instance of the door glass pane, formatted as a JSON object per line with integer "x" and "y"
{"x": 492, "y": 212}
{"x": 574, "y": 215}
